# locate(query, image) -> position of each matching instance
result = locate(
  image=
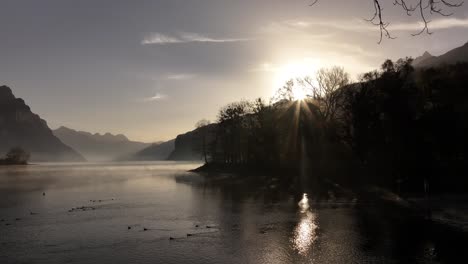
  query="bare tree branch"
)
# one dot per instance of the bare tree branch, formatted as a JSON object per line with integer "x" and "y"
{"x": 313, "y": 3}
{"x": 377, "y": 21}
{"x": 424, "y": 9}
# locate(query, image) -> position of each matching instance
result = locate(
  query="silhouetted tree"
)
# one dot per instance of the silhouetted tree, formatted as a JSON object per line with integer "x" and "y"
{"x": 325, "y": 90}
{"x": 17, "y": 156}
{"x": 232, "y": 136}
{"x": 285, "y": 93}
{"x": 396, "y": 127}
{"x": 202, "y": 126}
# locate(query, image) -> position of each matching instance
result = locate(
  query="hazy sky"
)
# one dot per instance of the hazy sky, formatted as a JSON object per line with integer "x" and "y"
{"x": 152, "y": 69}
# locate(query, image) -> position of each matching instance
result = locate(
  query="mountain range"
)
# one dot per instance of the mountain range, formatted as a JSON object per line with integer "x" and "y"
{"x": 97, "y": 147}
{"x": 157, "y": 151}
{"x": 20, "y": 127}
{"x": 453, "y": 56}
{"x": 185, "y": 147}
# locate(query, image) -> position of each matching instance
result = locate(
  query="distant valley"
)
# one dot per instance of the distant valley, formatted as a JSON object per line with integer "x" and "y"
{"x": 97, "y": 147}
{"x": 157, "y": 151}
{"x": 20, "y": 127}
{"x": 109, "y": 147}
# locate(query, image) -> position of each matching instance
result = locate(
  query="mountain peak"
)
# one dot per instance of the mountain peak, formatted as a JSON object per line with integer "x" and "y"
{"x": 5, "y": 89}
{"x": 456, "y": 55}
{"x": 64, "y": 128}
{"x": 97, "y": 136}
{"x": 6, "y": 93}
{"x": 110, "y": 137}
{"x": 419, "y": 60}
{"x": 99, "y": 146}
{"x": 426, "y": 54}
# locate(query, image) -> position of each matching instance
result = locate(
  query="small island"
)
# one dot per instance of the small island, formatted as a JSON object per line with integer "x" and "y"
{"x": 15, "y": 156}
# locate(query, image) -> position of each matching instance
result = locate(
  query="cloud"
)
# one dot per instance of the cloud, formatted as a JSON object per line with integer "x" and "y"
{"x": 304, "y": 25}
{"x": 297, "y": 23}
{"x": 185, "y": 37}
{"x": 316, "y": 35}
{"x": 355, "y": 25}
{"x": 265, "y": 67}
{"x": 156, "y": 97}
{"x": 157, "y": 38}
{"x": 360, "y": 25}
{"x": 441, "y": 23}
{"x": 194, "y": 37}
{"x": 181, "y": 76}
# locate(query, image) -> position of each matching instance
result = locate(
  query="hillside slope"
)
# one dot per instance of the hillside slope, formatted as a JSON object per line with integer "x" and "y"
{"x": 20, "y": 127}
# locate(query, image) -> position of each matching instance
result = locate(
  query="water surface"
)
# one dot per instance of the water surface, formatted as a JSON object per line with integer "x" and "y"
{"x": 156, "y": 212}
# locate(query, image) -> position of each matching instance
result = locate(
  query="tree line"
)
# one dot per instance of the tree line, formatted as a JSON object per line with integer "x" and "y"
{"x": 397, "y": 127}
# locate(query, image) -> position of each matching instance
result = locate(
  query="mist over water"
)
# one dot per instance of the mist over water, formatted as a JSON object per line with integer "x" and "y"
{"x": 156, "y": 212}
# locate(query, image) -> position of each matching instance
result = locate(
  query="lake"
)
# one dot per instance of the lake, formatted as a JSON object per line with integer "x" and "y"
{"x": 157, "y": 212}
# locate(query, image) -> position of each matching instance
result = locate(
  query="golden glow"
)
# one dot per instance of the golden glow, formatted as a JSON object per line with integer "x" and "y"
{"x": 295, "y": 69}
{"x": 299, "y": 93}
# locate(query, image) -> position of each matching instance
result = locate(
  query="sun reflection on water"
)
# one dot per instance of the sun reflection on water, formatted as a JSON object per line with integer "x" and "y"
{"x": 304, "y": 203}
{"x": 305, "y": 232}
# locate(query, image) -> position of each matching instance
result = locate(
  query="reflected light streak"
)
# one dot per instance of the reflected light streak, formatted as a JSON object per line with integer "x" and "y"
{"x": 304, "y": 203}
{"x": 305, "y": 232}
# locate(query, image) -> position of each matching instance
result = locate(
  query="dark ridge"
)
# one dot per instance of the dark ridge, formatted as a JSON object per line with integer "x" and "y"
{"x": 20, "y": 127}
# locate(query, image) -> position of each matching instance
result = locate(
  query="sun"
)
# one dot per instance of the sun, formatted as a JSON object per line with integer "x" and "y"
{"x": 299, "y": 93}
{"x": 293, "y": 70}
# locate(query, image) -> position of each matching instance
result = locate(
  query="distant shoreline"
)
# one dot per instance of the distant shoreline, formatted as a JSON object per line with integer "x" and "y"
{"x": 414, "y": 204}
{"x": 238, "y": 169}
{"x": 8, "y": 163}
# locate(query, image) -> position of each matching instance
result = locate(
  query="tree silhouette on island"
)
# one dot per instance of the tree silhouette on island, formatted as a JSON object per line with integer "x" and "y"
{"x": 16, "y": 156}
